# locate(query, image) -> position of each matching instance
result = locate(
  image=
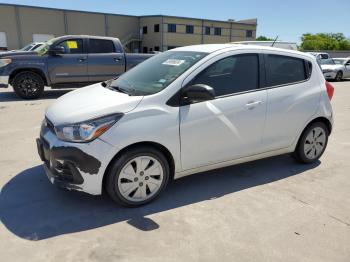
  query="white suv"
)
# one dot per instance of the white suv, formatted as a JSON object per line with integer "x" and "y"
{"x": 185, "y": 111}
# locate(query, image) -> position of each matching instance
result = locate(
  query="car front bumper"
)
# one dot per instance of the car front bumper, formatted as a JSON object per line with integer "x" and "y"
{"x": 74, "y": 166}
{"x": 330, "y": 75}
{"x": 4, "y": 81}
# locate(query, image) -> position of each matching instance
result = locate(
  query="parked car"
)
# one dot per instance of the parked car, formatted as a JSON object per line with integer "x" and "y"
{"x": 277, "y": 44}
{"x": 320, "y": 56}
{"x": 67, "y": 61}
{"x": 185, "y": 111}
{"x": 31, "y": 47}
{"x": 335, "y": 70}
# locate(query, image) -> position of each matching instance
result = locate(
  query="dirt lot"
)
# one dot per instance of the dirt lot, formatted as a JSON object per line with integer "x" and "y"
{"x": 267, "y": 210}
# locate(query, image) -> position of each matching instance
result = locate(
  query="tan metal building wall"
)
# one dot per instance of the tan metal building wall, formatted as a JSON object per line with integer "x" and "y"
{"x": 20, "y": 23}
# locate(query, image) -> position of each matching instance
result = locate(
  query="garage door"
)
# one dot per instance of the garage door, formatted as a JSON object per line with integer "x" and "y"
{"x": 42, "y": 37}
{"x": 3, "y": 40}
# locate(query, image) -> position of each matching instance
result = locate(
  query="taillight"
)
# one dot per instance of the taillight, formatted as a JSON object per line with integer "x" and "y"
{"x": 330, "y": 90}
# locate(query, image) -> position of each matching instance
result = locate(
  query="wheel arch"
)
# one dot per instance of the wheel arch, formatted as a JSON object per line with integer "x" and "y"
{"x": 32, "y": 70}
{"x": 323, "y": 120}
{"x": 169, "y": 157}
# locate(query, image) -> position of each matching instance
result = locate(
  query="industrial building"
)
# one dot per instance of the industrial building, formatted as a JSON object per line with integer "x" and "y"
{"x": 20, "y": 25}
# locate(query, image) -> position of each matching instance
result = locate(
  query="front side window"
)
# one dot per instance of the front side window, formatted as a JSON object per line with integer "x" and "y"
{"x": 72, "y": 46}
{"x": 97, "y": 46}
{"x": 156, "y": 73}
{"x": 234, "y": 74}
{"x": 283, "y": 70}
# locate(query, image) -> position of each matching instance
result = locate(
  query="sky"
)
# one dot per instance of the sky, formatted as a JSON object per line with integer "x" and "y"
{"x": 286, "y": 19}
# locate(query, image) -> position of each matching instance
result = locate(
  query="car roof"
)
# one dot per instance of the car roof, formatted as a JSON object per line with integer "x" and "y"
{"x": 211, "y": 48}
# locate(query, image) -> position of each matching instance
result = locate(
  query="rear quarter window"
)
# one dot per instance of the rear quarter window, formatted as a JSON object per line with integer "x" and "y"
{"x": 282, "y": 70}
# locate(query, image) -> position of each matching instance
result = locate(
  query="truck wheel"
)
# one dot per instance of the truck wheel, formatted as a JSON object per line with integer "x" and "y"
{"x": 312, "y": 143}
{"x": 137, "y": 176}
{"x": 28, "y": 85}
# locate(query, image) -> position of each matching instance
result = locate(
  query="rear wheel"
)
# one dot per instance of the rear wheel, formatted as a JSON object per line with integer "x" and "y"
{"x": 137, "y": 176}
{"x": 28, "y": 85}
{"x": 312, "y": 143}
{"x": 339, "y": 76}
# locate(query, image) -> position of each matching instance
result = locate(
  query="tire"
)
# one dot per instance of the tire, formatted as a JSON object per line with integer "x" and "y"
{"x": 339, "y": 76}
{"x": 312, "y": 143}
{"x": 28, "y": 85}
{"x": 137, "y": 176}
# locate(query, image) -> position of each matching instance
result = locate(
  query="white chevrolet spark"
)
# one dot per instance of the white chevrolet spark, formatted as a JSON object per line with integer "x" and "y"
{"x": 185, "y": 111}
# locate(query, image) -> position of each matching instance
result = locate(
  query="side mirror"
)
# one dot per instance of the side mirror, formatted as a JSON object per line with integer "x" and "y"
{"x": 197, "y": 93}
{"x": 57, "y": 50}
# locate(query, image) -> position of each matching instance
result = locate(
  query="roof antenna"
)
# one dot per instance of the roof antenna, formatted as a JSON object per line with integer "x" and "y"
{"x": 274, "y": 41}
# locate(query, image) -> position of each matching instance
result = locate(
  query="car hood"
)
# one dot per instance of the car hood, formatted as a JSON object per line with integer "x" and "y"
{"x": 331, "y": 67}
{"x": 18, "y": 53}
{"x": 88, "y": 103}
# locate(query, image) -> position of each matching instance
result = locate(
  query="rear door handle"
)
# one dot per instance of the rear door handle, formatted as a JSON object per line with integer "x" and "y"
{"x": 253, "y": 104}
{"x": 117, "y": 59}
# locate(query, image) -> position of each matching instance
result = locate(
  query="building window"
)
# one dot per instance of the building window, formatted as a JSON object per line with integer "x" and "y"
{"x": 207, "y": 30}
{"x": 145, "y": 49}
{"x": 156, "y": 48}
{"x": 217, "y": 31}
{"x": 249, "y": 33}
{"x": 156, "y": 28}
{"x": 144, "y": 30}
{"x": 172, "y": 28}
{"x": 3, "y": 41}
{"x": 189, "y": 29}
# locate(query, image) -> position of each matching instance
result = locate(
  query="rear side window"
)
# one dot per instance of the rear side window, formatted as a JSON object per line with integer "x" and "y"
{"x": 98, "y": 46}
{"x": 283, "y": 70}
{"x": 234, "y": 74}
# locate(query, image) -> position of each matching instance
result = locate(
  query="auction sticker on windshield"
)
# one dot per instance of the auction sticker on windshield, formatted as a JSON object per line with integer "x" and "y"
{"x": 174, "y": 62}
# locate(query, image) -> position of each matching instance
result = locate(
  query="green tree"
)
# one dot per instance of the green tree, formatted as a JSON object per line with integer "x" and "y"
{"x": 264, "y": 38}
{"x": 324, "y": 41}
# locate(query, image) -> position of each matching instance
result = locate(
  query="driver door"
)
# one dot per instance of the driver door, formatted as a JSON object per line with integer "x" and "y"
{"x": 231, "y": 125}
{"x": 70, "y": 67}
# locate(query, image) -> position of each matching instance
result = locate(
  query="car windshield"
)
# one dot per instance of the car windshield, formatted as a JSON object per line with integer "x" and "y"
{"x": 27, "y": 47}
{"x": 156, "y": 73}
{"x": 42, "y": 50}
{"x": 339, "y": 61}
{"x": 327, "y": 62}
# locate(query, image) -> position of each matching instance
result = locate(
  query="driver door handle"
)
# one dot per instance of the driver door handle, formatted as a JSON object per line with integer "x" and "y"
{"x": 253, "y": 104}
{"x": 82, "y": 59}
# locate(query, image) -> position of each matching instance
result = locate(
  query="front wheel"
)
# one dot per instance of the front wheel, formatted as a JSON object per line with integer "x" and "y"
{"x": 28, "y": 85}
{"x": 339, "y": 76}
{"x": 137, "y": 176}
{"x": 312, "y": 143}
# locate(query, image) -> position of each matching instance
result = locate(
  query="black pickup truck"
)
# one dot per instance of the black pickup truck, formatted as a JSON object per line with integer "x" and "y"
{"x": 67, "y": 61}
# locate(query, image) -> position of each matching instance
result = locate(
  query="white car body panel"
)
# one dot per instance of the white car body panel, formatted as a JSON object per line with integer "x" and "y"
{"x": 233, "y": 132}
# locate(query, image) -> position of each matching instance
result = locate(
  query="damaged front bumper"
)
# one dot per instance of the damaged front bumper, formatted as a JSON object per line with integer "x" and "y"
{"x": 75, "y": 166}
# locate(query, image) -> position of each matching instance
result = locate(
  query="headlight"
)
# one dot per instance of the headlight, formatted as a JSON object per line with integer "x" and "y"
{"x": 5, "y": 61}
{"x": 88, "y": 130}
{"x": 327, "y": 70}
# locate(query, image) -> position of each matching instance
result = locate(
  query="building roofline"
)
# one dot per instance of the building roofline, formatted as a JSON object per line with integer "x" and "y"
{"x": 135, "y": 16}
{"x": 202, "y": 19}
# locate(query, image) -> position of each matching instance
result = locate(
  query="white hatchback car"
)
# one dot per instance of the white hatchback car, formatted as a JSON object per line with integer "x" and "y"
{"x": 185, "y": 111}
